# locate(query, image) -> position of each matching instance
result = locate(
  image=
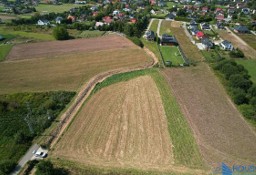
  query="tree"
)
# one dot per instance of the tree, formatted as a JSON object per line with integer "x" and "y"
{"x": 238, "y": 81}
{"x": 45, "y": 167}
{"x": 60, "y": 33}
{"x": 7, "y": 166}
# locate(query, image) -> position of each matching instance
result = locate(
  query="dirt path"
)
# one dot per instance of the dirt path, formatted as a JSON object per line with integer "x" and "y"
{"x": 159, "y": 27}
{"x": 84, "y": 93}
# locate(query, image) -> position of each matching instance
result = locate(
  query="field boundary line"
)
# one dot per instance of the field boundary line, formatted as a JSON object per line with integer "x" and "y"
{"x": 85, "y": 92}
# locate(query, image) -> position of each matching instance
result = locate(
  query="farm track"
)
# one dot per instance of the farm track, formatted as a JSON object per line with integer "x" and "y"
{"x": 221, "y": 132}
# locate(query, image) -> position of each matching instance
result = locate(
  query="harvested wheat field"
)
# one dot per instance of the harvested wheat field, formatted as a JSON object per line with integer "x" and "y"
{"x": 122, "y": 125}
{"x": 69, "y": 71}
{"x": 221, "y": 132}
{"x": 54, "y": 48}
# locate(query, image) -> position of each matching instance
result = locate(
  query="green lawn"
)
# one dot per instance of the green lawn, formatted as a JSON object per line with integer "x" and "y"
{"x": 91, "y": 34}
{"x": 250, "y": 65}
{"x": 250, "y": 39}
{"x": 4, "y": 50}
{"x": 171, "y": 53}
{"x": 165, "y": 27}
{"x": 154, "y": 25}
{"x": 48, "y": 8}
{"x": 35, "y": 35}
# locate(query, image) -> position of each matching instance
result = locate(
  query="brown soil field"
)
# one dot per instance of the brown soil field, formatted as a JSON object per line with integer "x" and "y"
{"x": 54, "y": 48}
{"x": 189, "y": 49}
{"x": 221, "y": 132}
{"x": 69, "y": 71}
{"x": 122, "y": 125}
{"x": 237, "y": 42}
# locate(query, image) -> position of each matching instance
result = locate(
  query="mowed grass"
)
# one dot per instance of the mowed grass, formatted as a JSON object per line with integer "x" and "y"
{"x": 56, "y": 8}
{"x": 250, "y": 39}
{"x": 165, "y": 27}
{"x": 171, "y": 53}
{"x": 154, "y": 25}
{"x": 189, "y": 49}
{"x": 250, "y": 65}
{"x": 91, "y": 34}
{"x": 4, "y": 50}
{"x": 66, "y": 72}
{"x": 41, "y": 36}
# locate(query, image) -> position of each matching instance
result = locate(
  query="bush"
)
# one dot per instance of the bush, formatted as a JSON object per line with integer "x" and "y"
{"x": 239, "y": 96}
{"x": 6, "y": 167}
{"x": 236, "y": 54}
{"x": 238, "y": 81}
{"x": 60, "y": 33}
{"x": 136, "y": 41}
{"x": 248, "y": 111}
{"x": 31, "y": 165}
{"x": 46, "y": 167}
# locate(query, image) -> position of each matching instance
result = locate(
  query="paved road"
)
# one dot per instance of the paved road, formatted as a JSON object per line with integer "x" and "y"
{"x": 28, "y": 156}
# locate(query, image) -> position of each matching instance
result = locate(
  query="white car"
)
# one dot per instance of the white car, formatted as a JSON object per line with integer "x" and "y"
{"x": 41, "y": 154}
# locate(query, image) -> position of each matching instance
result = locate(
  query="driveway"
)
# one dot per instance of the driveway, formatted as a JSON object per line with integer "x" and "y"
{"x": 28, "y": 156}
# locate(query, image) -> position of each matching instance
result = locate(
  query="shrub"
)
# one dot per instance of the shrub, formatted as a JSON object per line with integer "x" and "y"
{"x": 236, "y": 54}
{"x": 7, "y": 166}
{"x": 60, "y": 33}
{"x": 248, "y": 111}
{"x": 238, "y": 81}
{"x": 136, "y": 41}
{"x": 239, "y": 96}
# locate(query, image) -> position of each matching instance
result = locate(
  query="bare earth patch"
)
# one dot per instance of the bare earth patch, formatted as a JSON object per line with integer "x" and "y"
{"x": 123, "y": 125}
{"x": 220, "y": 130}
{"x": 54, "y": 48}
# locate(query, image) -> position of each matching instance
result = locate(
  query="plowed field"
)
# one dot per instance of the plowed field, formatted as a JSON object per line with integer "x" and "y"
{"x": 123, "y": 124}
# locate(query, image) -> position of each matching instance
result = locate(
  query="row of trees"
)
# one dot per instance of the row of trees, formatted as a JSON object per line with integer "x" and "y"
{"x": 241, "y": 88}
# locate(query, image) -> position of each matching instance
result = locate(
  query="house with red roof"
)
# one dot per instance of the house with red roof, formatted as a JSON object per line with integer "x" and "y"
{"x": 219, "y": 17}
{"x": 199, "y": 35}
{"x": 107, "y": 19}
{"x": 71, "y": 18}
{"x": 205, "y": 9}
{"x": 133, "y": 20}
{"x": 152, "y": 2}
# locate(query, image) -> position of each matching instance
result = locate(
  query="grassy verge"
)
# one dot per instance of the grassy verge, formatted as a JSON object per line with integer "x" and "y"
{"x": 76, "y": 168}
{"x": 172, "y": 54}
{"x": 249, "y": 65}
{"x": 91, "y": 34}
{"x": 185, "y": 148}
{"x": 4, "y": 50}
{"x": 154, "y": 25}
{"x": 166, "y": 27}
{"x": 152, "y": 46}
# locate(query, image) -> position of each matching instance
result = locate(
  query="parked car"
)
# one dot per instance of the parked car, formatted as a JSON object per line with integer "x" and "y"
{"x": 41, "y": 154}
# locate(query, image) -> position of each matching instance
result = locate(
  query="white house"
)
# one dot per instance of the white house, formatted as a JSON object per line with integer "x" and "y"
{"x": 226, "y": 45}
{"x": 58, "y": 20}
{"x": 43, "y": 22}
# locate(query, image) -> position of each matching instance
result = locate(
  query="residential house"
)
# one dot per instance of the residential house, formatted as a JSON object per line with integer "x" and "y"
{"x": 170, "y": 16}
{"x": 192, "y": 24}
{"x": 218, "y": 10}
{"x": 94, "y": 8}
{"x": 207, "y": 43}
{"x": 220, "y": 25}
{"x": 231, "y": 10}
{"x": 205, "y": 26}
{"x": 58, "y": 20}
{"x": 220, "y": 17}
{"x": 152, "y": 2}
{"x": 98, "y": 24}
{"x": 107, "y": 19}
{"x": 116, "y": 12}
{"x": 161, "y": 3}
{"x": 71, "y": 18}
{"x": 168, "y": 40}
{"x": 205, "y": 9}
{"x": 241, "y": 29}
{"x": 240, "y": 5}
{"x": 43, "y": 22}
{"x": 199, "y": 35}
{"x": 150, "y": 35}
{"x": 245, "y": 11}
{"x": 226, "y": 45}
{"x": 133, "y": 20}
{"x": 194, "y": 30}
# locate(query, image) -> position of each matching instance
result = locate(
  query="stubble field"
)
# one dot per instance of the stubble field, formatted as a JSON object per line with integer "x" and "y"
{"x": 221, "y": 132}
{"x": 65, "y": 65}
{"x": 122, "y": 125}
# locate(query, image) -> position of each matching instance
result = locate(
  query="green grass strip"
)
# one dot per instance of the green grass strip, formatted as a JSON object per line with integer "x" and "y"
{"x": 4, "y": 50}
{"x": 185, "y": 148}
